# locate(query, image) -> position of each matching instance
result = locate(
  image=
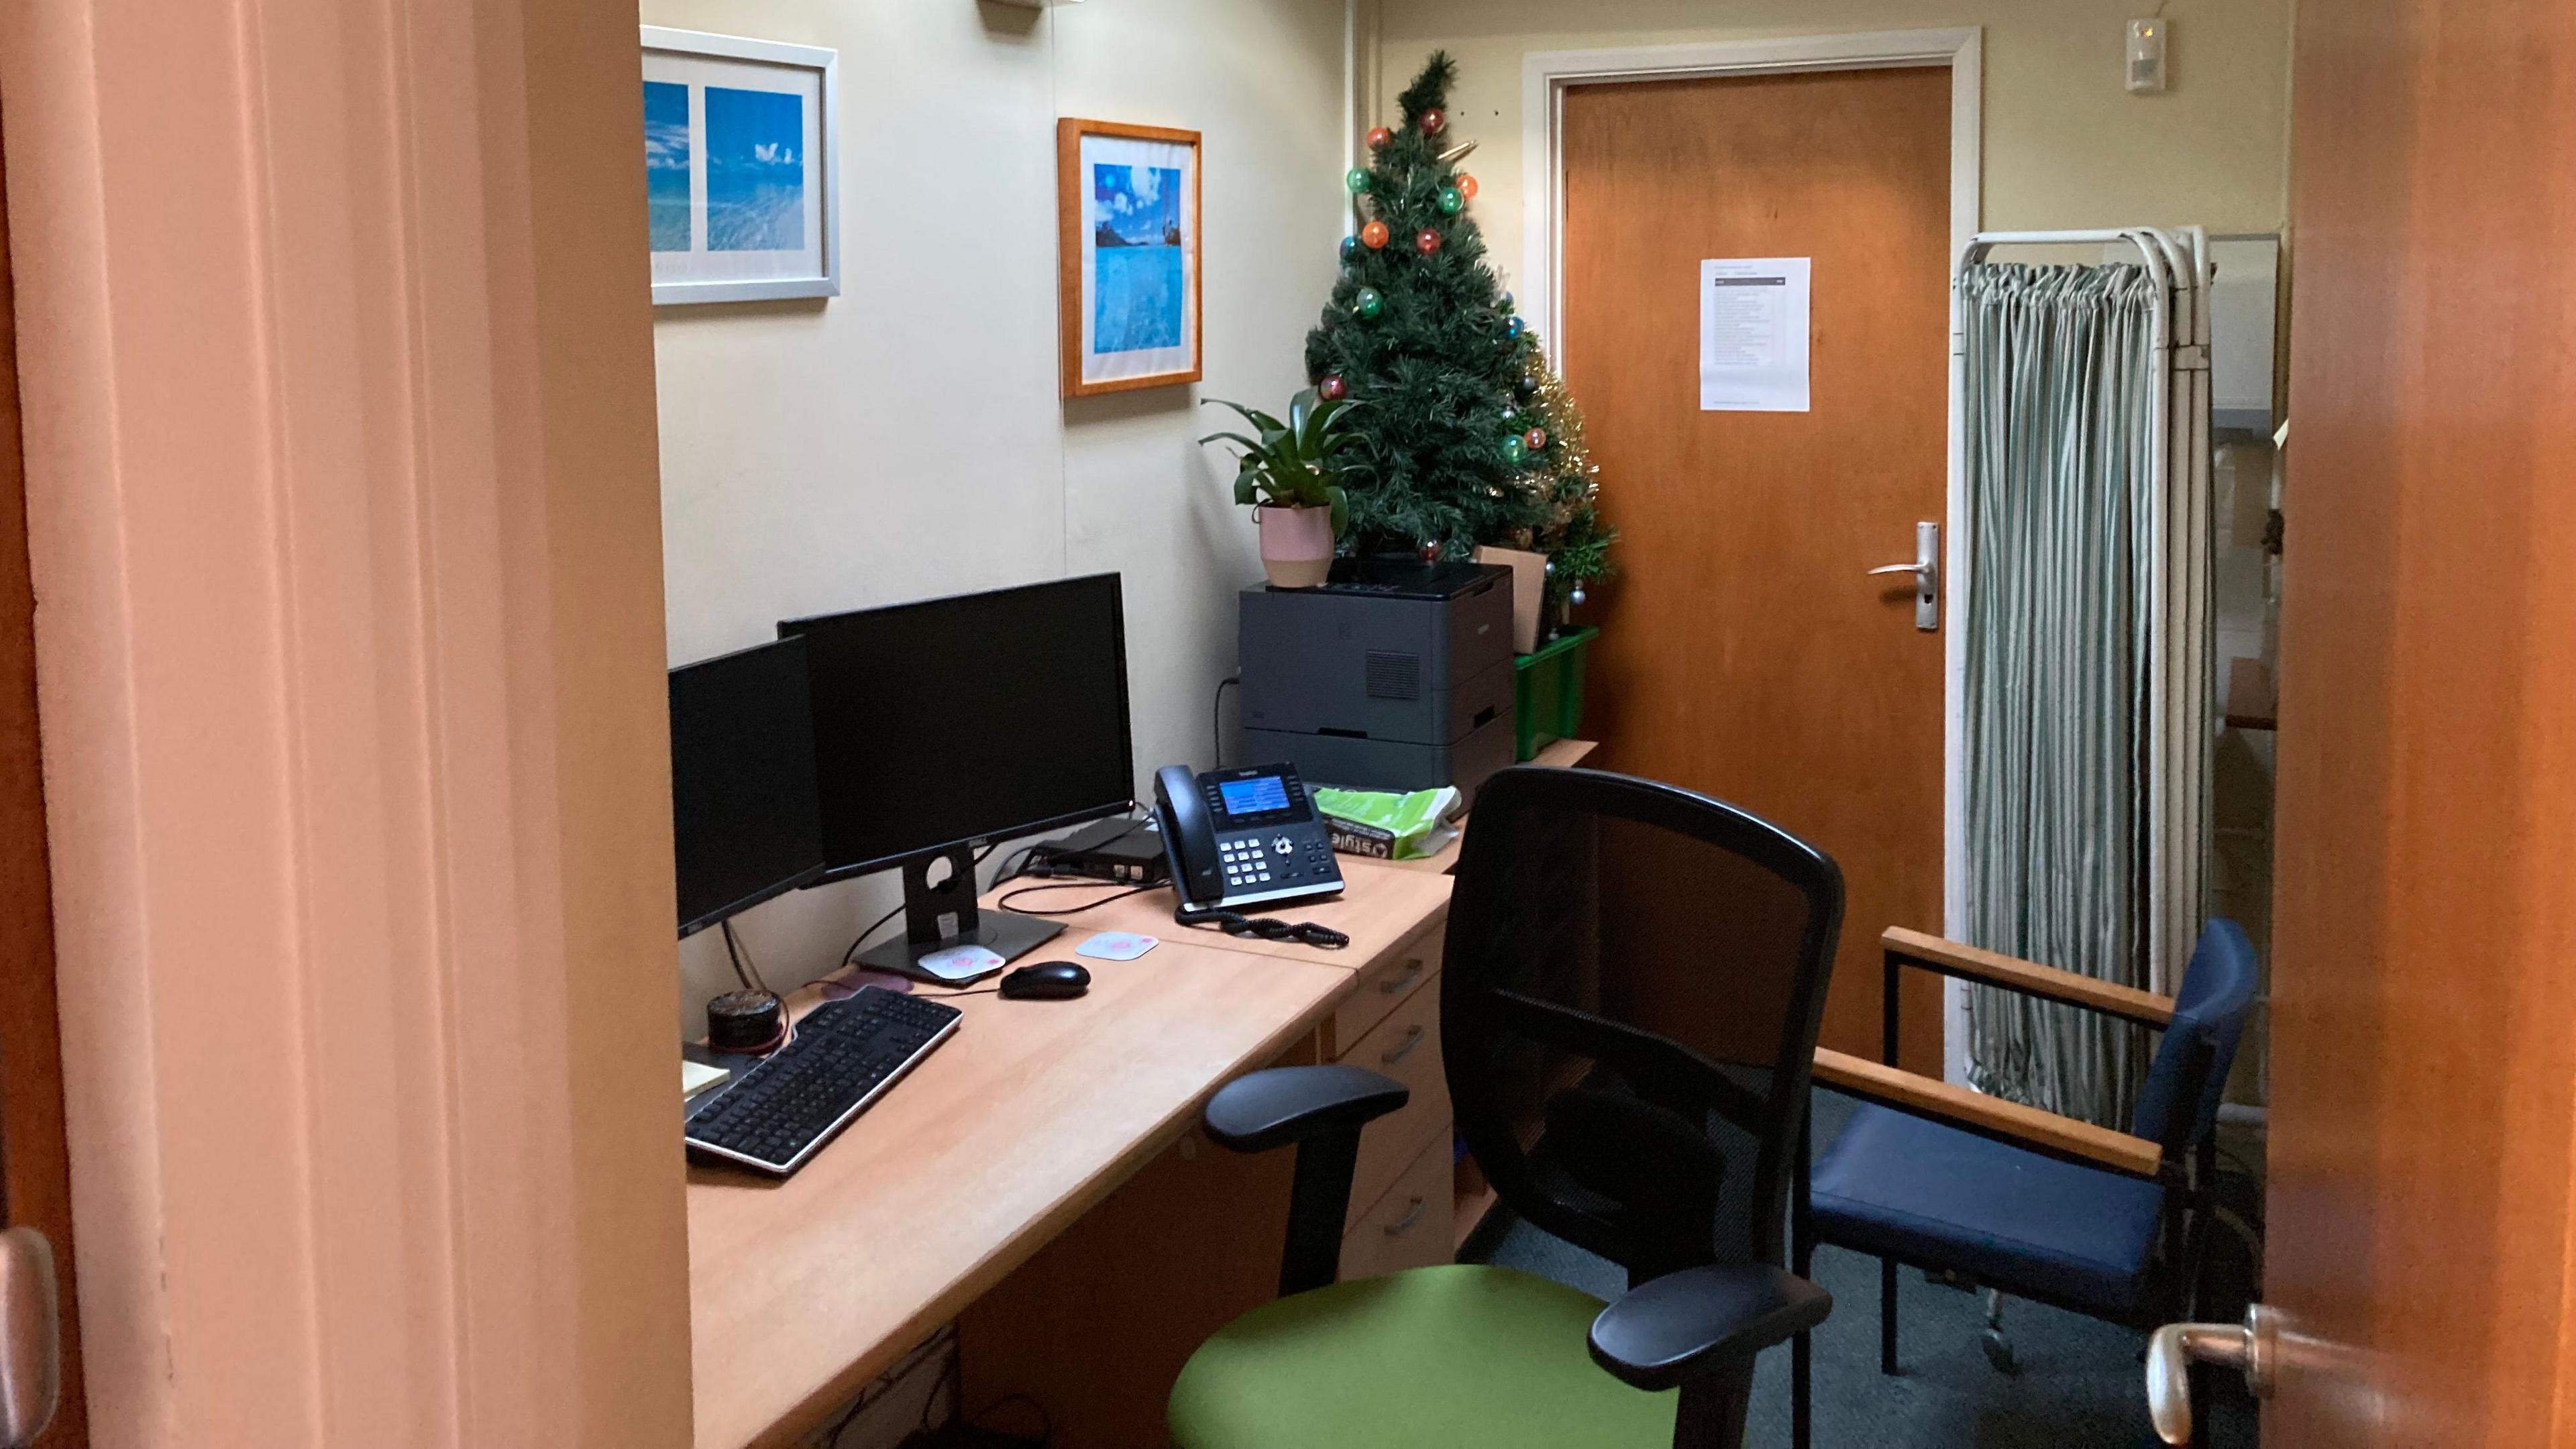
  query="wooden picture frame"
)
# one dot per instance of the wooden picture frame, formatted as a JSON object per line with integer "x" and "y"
{"x": 1128, "y": 311}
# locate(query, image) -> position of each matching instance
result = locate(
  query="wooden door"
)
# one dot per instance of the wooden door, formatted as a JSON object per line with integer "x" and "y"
{"x": 1745, "y": 652}
{"x": 2424, "y": 977}
{"x": 35, "y": 1170}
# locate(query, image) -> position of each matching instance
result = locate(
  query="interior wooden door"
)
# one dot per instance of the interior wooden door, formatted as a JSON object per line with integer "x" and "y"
{"x": 1745, "y": 650}
{"x": 35, "y": 1169}
{"x": 2424, "y": 981}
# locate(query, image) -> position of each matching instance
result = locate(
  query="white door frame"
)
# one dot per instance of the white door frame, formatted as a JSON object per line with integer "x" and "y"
{"x": 1545, "y": 77}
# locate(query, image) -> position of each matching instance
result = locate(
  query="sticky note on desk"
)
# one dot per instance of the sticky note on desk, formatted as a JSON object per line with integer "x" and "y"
{"x": 696, "y": 1077}
{"x": 1117, "y": 946}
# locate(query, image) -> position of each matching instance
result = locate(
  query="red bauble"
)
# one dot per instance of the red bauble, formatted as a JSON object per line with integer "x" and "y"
{"x": 1466, "y": 186}
{"x": 1373, "y": 235}
{"x": 1433, "y": 120}
{"x": 1427, "y": 240}
{"x": 1431, "y": 553}
{"x": 1535, "y": 439}
{"x": 1332, "y": 388}
{"x": 1378, "y": 137}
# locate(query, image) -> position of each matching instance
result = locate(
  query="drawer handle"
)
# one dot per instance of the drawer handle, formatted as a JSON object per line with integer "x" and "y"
{"x": 1412, "y": 973}
{"x": 1400, "y": 1228}
{"x": 1412, "y": 1038}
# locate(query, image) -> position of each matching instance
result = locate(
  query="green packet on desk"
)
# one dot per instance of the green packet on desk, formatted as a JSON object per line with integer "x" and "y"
{"x": 1384, "y": 826}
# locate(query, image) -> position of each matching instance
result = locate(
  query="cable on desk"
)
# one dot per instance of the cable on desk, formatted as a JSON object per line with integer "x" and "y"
{"x": 1005, "y": 902}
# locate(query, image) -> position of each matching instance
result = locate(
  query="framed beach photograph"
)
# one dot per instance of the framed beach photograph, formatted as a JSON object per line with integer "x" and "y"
{"x": 1127, "y": 207}
{"x": 740, "y": 188}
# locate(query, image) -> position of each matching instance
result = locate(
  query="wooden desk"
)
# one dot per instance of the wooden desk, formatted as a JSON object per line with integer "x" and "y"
{"x": 803, "y": 1291}
{"x": 1380, "y": 908}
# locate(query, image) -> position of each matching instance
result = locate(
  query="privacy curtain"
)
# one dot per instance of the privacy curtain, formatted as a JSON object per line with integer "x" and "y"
{"x": 2059, "y": 373}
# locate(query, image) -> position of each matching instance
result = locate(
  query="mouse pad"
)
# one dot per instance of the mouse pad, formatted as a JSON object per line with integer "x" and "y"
{"x": 958, "y": 963}
{"x": 1117, "y": 946}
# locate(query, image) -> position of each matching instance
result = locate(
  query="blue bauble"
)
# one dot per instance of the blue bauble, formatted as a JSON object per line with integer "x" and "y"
{"x": 1503, "y": 303}
{"x": 1350, "y": 249}
{"x": 1514, "y": 328}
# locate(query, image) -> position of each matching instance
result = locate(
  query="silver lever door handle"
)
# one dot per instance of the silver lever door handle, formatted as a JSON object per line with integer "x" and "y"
{"x": 2252, "y": 1349}
{"x": 30, "y": 1346}
{"x": 1926, "y": 569}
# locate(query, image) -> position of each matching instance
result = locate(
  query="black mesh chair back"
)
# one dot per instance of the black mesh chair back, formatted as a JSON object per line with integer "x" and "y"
{"x": 1630, "y": 998}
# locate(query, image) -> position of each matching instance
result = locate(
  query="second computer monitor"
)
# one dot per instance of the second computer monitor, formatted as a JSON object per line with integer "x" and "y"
{"x": 974, "y": 717}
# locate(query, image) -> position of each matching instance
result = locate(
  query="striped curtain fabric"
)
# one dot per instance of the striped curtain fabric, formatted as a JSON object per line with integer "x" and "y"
{"x": 2059, "y": 370}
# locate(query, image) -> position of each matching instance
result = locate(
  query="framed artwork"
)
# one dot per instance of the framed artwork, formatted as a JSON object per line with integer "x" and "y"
{"x": 741, "y": 192}
{"x": 1127, "y": 210}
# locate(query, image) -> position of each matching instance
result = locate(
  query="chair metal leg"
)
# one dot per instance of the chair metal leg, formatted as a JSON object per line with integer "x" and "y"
{"x": 1999, "y": 1349}
{"x": 1887, "y": 1315}
{"x": 1802, "y": 1260}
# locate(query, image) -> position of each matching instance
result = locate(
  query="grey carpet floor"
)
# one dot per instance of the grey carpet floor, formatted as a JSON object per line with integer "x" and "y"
{"x": 2080, "y": 1383}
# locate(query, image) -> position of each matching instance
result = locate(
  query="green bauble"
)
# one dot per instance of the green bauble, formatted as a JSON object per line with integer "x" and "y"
{"x": 1452, "y": 200}
{"x": 1357, "y": 180}
{"x": 1514, "y": 450}
{"x": 1368, "y": 303}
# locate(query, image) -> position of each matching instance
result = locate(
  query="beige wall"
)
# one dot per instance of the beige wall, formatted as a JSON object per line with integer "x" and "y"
{"x": 905, "y": 439}
{"x": 2065, "y": 145}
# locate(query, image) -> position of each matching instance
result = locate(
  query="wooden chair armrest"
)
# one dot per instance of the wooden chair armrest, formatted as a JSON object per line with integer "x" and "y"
{"x": 1950, "y": 958}
{"x": 2041, "y": 1131}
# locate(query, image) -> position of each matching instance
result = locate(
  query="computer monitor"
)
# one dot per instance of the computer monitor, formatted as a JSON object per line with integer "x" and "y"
{"x": 979, "y": 717}
{"x": 746, "y": 818}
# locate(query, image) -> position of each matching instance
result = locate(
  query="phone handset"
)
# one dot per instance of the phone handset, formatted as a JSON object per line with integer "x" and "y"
{"x": 1189, "y": 837}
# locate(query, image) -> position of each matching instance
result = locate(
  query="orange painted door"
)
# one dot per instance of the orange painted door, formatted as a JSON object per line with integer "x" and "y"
{"x": 1745, "y": 650}
{"x": 2421, "y": 1222}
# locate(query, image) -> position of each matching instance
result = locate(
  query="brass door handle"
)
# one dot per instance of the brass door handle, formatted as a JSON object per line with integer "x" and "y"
{"x": 2251, "y": 1348}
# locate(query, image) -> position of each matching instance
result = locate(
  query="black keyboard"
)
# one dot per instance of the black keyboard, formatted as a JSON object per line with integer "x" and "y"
{"x": 845, "y": 1055}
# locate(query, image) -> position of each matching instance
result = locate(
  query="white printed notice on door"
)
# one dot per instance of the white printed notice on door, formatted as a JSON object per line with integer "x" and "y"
{"x": 1753, "y": 335}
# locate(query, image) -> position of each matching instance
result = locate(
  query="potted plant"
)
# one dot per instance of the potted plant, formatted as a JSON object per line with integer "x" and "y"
{"x": 1293, "y": 485}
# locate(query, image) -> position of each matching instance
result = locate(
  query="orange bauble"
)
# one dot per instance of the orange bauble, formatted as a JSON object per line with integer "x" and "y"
{"x": 1373, "y": 235}
{"x": 1466, "y": 186}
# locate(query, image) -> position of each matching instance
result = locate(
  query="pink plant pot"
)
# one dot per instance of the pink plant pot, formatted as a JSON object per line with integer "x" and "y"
{"x": 1296, "y": 544}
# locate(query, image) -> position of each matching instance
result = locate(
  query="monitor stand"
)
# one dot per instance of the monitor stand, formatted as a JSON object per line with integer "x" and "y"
{"x": 944, "y": 916}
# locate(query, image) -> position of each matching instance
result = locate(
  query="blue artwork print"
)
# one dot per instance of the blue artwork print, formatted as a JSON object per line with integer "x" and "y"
{"x": 666, "y": 164}
{"x": 1138, "y": 295}
{"x": 755, "y": 170}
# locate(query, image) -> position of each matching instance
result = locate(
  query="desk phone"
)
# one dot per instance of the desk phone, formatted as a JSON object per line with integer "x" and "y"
{"x": 1243, "y": 837}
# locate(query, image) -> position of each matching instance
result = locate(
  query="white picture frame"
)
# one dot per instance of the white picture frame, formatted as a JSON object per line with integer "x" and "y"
{"x": 742, "y": 181}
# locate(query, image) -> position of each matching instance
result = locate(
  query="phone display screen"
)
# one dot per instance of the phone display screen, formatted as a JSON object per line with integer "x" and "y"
{"x": 1257, "y": 796}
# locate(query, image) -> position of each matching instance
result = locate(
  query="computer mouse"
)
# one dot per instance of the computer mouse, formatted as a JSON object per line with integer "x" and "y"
{"x": 1046, "y": 981}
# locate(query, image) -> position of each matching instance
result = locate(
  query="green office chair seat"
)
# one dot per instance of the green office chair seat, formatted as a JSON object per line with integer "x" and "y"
{"x": 1629, "y": 999}
{"x": 1404, "y": 1361}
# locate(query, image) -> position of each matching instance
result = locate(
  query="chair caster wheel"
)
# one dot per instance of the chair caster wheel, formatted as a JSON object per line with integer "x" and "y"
{"x": 1999, "y": 1351}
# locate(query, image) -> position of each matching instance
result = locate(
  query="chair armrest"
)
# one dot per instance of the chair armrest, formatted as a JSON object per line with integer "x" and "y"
{"x": 1971, "y": 963}
{"x": 2012, "y": 1122}
{"x": 1668, "y": 1330}
{"x": 1273, "y": 1108}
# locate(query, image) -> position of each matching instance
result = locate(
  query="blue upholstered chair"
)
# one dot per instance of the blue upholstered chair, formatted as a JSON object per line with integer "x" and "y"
{"x": 2022, "y": 1201}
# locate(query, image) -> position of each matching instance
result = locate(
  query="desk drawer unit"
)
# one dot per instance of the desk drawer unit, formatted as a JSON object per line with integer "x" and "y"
{"x": 1405, "y": 1046}
{"x": 1386, "y": 985}
{"x": 1413, "y": 1226}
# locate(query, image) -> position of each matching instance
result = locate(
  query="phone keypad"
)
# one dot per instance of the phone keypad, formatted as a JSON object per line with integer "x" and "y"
{"x": 1247, "y": 862}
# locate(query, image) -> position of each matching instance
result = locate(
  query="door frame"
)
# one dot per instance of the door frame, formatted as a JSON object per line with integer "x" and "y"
{"x": 1546, "y": 75}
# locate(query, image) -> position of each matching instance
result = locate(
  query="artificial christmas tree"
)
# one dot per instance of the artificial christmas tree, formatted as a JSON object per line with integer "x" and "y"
{"x": 1462, "y": 434}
